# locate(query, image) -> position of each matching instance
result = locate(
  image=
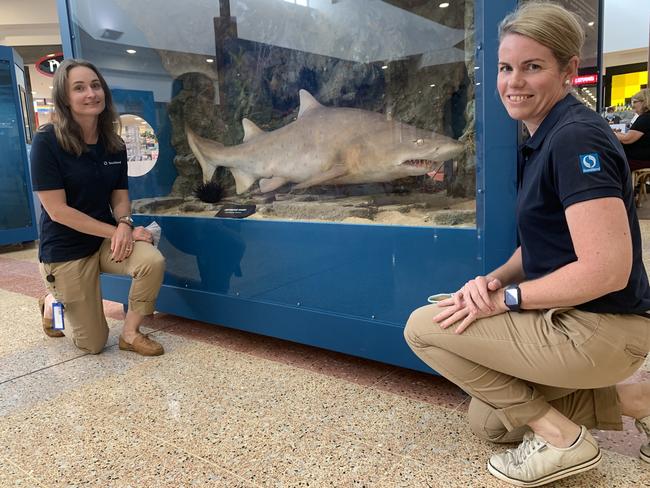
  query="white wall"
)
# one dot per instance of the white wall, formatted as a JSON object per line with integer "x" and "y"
{"x": 626, "y": 25}
{"x": 29, "y": 23}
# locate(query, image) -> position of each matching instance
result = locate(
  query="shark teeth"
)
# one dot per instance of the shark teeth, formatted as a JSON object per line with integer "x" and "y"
{"x": 419, "y": 163}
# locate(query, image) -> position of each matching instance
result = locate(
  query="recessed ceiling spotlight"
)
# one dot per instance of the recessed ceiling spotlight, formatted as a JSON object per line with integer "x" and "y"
{"x": 384, "y": 66}
{"x": 591, "y": 24}
{"x": 131, "y": 51}
{"x": 432, "y": 85}
{"x": 209, "y": 60}
{"x": 444, "y": 5}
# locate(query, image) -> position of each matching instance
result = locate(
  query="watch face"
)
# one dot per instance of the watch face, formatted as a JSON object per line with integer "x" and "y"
{"x": 511, "y": 296}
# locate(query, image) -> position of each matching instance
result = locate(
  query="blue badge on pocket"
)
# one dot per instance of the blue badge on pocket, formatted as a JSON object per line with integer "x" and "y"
{"x": 589, "y": 162}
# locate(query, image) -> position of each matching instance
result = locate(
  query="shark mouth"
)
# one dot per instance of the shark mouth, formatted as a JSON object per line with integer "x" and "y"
{"x": 419, "y": 163}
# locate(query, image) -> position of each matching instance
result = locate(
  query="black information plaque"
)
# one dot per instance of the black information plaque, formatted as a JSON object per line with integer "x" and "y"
{"x": 236, "y": 211}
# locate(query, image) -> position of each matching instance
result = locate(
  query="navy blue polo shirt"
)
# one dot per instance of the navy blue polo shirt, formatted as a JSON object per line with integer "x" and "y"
{"x": 88, "y": 181}
{"x": 573, "y": 157}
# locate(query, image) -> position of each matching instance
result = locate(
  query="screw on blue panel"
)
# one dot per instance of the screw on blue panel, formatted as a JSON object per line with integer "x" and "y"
{"x": 372, "y": 316}
{"x": 298, "y": 304}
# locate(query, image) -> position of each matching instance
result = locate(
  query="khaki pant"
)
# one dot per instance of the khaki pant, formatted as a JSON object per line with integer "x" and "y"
{"x": 76, "y": 285}
{"x": 517, "y": 365}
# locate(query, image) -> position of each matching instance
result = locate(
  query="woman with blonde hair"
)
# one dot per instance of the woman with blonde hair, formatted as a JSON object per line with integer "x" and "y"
{"x": 636, "y": 141}
{"x": 542, "y": 342}
{"x": 79, "y": 172}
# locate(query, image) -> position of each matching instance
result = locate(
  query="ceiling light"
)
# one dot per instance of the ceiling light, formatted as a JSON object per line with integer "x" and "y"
{"x": 444, "y": 5}
{"x": 131, "y": 51}
{"x": 591, "y": 24}
{"x": 209, "y": 60}
{"x": 50, "y": 87}
{"x": 432, "y": 85}
{"x": 384, "y": 66}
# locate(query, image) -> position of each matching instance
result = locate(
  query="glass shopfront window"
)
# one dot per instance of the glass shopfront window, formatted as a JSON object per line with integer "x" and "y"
{"x": 355, "y": 111}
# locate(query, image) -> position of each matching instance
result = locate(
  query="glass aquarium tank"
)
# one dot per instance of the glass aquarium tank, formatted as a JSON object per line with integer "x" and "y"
{"x": 349, "y": 111}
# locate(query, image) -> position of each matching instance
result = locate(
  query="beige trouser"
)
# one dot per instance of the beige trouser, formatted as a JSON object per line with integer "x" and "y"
{"x": 517, "y": 365}
{"x": 76, "y": 285}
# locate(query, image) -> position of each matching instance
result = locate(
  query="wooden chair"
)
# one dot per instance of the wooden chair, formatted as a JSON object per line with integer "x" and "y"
{"x": 639, "y": 179}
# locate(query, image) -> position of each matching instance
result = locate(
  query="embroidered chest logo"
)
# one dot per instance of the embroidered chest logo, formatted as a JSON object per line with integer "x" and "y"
{"x": 589, "y": 163}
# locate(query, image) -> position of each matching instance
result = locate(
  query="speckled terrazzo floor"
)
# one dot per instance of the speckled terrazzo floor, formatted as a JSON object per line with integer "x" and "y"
{"x": 226, "y": 408}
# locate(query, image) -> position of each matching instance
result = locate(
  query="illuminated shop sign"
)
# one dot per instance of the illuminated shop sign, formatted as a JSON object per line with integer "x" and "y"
{"x": 585, "y": 80}
{"x": 47, "y": 65}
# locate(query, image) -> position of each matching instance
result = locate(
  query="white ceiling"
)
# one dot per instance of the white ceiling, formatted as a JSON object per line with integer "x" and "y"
{"x": 35, "y": 23}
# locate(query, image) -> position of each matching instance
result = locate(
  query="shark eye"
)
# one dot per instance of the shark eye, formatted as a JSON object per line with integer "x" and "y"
{"x": 419, "y": 142}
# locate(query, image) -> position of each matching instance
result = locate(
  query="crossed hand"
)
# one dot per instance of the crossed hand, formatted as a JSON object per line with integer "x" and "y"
{"x": 478, "y": 298}
{"x": 124, "y": 238}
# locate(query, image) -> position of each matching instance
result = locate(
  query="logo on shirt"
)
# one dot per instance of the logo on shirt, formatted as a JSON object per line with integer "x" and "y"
{"x": 110, "y": 163}
{"x": 589, "y": 162}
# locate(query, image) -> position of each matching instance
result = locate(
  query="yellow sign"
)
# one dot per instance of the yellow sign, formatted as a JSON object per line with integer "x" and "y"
{"x": 626, "y": 85}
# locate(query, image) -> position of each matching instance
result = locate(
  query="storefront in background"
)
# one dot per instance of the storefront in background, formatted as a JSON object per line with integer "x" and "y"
{"x": 622, "y": 82}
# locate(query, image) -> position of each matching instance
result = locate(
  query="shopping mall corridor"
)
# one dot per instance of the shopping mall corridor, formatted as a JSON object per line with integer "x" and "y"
{"x": 226, "y": 408}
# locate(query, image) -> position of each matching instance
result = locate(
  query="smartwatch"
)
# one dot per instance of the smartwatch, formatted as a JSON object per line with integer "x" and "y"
{"x": 512, "y": 297}
{"x": 126, "y": 219}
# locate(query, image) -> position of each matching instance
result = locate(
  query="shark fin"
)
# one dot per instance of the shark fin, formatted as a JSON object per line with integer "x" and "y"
{"x": 250, "y": 129}
{"x": 307, "y": 103}
{"x": 270, "y": 184}
{"x": 205, "y": 151}
{"x": 332, "y": 173}
{"x": 243, "y": 180}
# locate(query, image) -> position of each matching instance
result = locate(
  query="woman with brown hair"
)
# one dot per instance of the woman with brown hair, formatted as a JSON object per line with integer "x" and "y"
{"x": 79, "y": 172}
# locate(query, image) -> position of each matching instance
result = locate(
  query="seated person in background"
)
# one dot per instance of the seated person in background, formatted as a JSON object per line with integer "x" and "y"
{"x": 611, "y": 117}
{"x": 636, "y": 141}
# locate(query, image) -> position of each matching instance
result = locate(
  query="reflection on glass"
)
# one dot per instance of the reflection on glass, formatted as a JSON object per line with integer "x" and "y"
{"x": 350, "y": 111}
{"x": 141, "y": 144}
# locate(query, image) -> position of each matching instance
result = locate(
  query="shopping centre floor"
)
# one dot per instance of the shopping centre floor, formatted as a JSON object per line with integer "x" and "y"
{"x": 226, "y": 408}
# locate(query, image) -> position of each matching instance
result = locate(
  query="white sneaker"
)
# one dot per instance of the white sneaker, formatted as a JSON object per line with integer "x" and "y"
{"x": 536, "y": 462}
{"x": 643, "y": 425}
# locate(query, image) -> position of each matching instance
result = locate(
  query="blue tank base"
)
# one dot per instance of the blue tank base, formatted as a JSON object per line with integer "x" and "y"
{"x": 369, "y": 339}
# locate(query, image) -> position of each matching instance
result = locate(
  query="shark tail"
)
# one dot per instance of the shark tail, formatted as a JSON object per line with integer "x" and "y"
{"x": 206, "y": 152}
